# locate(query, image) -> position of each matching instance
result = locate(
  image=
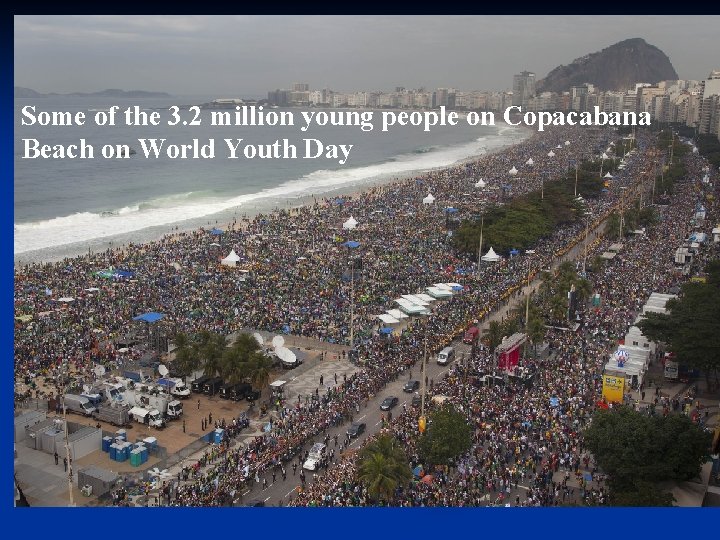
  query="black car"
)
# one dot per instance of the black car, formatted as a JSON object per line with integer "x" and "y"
{"x": 416, "y": 400}
{"x": 388, "y": 403}
{"x": 239, "y": 392}
{"x": 411, "y": 386}
{"x": 356, "y": 429}
{"x": 255, "y": 502}
{"x": 253, "y": 395}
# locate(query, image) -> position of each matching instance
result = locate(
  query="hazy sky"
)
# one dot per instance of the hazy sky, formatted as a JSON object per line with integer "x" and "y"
{"x": 244, "y": 56}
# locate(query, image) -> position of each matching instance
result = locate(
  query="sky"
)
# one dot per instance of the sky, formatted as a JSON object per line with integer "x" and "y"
{"x": 245, "y": 56}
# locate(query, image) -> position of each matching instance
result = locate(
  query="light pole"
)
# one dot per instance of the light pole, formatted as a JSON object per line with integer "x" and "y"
{"x": 622, "y": 210}
{"x": 587, "y": 231}
{"x": 527, "y": 301}
{"x": 62, "y": 388}
{"x": 352, "y": 302}
{"x": 482, "y": 221}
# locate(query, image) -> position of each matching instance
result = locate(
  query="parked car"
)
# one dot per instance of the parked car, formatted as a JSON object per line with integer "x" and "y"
{"x": 388, "y": 403}
{"x": 416, "y": 400}
{"x": 252, "y": 395}
{"x": 356, "y": 429}
{"x": 411, "y": 386}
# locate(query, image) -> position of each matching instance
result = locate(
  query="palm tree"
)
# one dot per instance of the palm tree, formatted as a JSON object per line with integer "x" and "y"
{"x": 236, "y": 360}
{"x": 383, "y": 467}
{"x": 494, "y": 334}
{"x": 260, "y": 366}
{"x": 211, "y": 347}
{"x": 558, "y": 307}
{"x": 536, "y": 331}
{"x": 186, "y": 360}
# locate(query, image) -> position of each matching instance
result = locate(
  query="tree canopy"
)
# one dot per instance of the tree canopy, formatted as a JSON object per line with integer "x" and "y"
{"x": 383, "y": 467}
{"x": 448, "y": 436}
{"x": 637, "y": 451}
{"x": 691, "y": 328}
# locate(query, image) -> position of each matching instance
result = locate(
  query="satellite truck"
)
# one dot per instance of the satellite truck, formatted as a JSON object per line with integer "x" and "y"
{"x": 174, "y": 386}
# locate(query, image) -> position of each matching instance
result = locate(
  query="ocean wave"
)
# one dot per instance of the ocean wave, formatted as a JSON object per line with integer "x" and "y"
{"x": 161, "y": 211}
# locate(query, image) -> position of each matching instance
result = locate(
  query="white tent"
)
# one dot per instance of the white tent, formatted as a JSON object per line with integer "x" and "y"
{"x": 567, "y": 143}
{"x": 513, "y": 171}
{"x": 415, "y": 299}
{"x": 425, "y": 297}
{"x": 231, "y": 260}
{"x": 491, "y": 256}
{"x": 551, "y": 154}
{"x": 350, "y": 223}
{"x": 608, "y": 175}
{"x": 396, "y": 313}
{"x": 530, "y": 162}
{"x": 429, "y": 199}
{"x": 480, "y": 183}
{"x": 438, "y": 293}
{"x": 388, "y": 319}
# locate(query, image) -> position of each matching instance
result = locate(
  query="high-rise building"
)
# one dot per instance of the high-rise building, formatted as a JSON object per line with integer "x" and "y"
{"x": 523, "y": 87}
{"x": 709, "y": 104}
{"x": 300, "y": 87}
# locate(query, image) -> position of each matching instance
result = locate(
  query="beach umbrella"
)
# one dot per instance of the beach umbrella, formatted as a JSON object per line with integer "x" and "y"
{"x": 559, "y": 146}
{"x": 352, "y": 244}
{"x": 513, "y": 171}
{"x": 427, "y": 479}
{"x": 567, "y": 143}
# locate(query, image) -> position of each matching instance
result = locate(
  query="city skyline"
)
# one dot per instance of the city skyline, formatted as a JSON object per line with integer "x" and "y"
{"x": 247, "y": 55}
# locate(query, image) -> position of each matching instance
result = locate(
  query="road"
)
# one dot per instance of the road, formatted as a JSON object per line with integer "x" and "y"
{"x": 282, "y": 491}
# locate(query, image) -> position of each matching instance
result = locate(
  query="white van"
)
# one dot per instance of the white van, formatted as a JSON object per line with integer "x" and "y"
{"x": 78, "y": 404}
{"x": 446, "y": 356}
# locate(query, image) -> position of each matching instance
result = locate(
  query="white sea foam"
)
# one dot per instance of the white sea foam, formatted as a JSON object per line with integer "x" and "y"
{"x": 89, "y": 226}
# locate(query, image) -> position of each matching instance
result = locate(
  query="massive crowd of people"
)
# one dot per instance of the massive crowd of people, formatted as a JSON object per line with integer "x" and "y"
{"x": 297, "y": 282}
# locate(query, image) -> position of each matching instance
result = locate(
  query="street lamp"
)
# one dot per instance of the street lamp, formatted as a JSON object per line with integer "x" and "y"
{"x": 622, "y": 210}
{"x": 482, "y": 221}
{"x": 587, "y": 231}
{"x": 527, "y": 300}
{"x": 61, "y": 388}
{"x": 422, "y": 420}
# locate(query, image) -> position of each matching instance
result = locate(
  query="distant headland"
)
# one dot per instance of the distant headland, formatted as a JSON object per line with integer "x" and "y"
{"x": 21, "y": 92}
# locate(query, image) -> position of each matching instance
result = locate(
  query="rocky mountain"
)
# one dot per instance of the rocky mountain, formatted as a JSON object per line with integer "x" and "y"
{"x": 21, "y": 92}
{"x": 617, "y": 67}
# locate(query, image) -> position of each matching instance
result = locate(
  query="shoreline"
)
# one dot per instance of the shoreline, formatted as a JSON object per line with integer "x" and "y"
{"x": 156, "y": 233}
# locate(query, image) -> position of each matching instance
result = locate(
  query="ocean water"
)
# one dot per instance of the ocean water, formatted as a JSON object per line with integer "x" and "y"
{"x": 65, "y": 207}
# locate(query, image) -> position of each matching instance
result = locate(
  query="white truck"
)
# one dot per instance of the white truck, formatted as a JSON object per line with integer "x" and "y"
{"x": 175, "y": 387}
{"x": 78, "y": 404}
{"x": 114, "y": 414}
{"x": 172, "y": 408}
{"x": 149, "y": 417}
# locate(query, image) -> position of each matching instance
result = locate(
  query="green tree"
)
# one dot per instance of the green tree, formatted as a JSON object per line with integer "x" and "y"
{"x": 635, "y": 450}
{"x": 383, "y": 467}
{"x": 211, "y": 347}
{"x": 448, "y": 436}
{"x": 186, "y": 359}
{"x": 494, "y": 334}
{"x": 238, "y": 359}
{"x": 691, "y": 328}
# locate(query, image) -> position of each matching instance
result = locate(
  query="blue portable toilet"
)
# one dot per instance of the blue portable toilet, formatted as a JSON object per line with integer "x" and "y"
{"x": 113, "y": 452}
{"x": 122, "y": 434}
{"x": 150, "y": 442}
{"x": 143, "y": 454}
{"x": 218, "y": 435}
{"x": 106, "y": 442}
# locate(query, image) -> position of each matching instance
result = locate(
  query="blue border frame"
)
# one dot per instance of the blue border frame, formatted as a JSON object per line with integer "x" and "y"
{"x": 606, "y": 523}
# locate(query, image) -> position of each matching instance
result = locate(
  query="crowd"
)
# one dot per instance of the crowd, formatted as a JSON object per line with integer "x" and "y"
{"x": 522, "y": 437}
{"x": 298, "y": 283}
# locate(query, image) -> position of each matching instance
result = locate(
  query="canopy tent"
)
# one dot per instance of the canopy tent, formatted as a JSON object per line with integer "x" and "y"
{"x": 425, "y": 298}
{"x": 386, "y": 330}
{"x": 530, "y": 162}
{"x": 514, "y": 252}
{"x": 608, "y": 255}
{"x": 608, "y": 175}
{"x": 429, "y": 199}
{"x": 438, "y": 293}
{"x": 216, "y": 232}
{"x": 415, "y": 299}
{"x": 396, "y": 313}
{"x": 567, "y": 143}
{"x": 352, "y": 244}
{"x": 491, "y": 256}
{"x": 351, "y": 223}
{"x": 388, "y": 319}
{"x": 66, "y": 299}
{"x": 513, "y": 171}
{"x": 443, "y": 286}
{"x": 480, "y": 183}
{"x": 149, "y": 317}
{"x": 92, "y": 289}
{"x": 231, "y": 260}
{"x": 551, "y": 154}
{"x": 409, "y": 307}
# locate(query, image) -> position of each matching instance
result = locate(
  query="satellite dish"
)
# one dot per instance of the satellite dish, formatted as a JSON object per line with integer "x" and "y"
{"x": 259, "y": 339}
{"x": 99, "y": 370}
{"x": 278, "y": 341}
{"x": 163, "y": 370}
